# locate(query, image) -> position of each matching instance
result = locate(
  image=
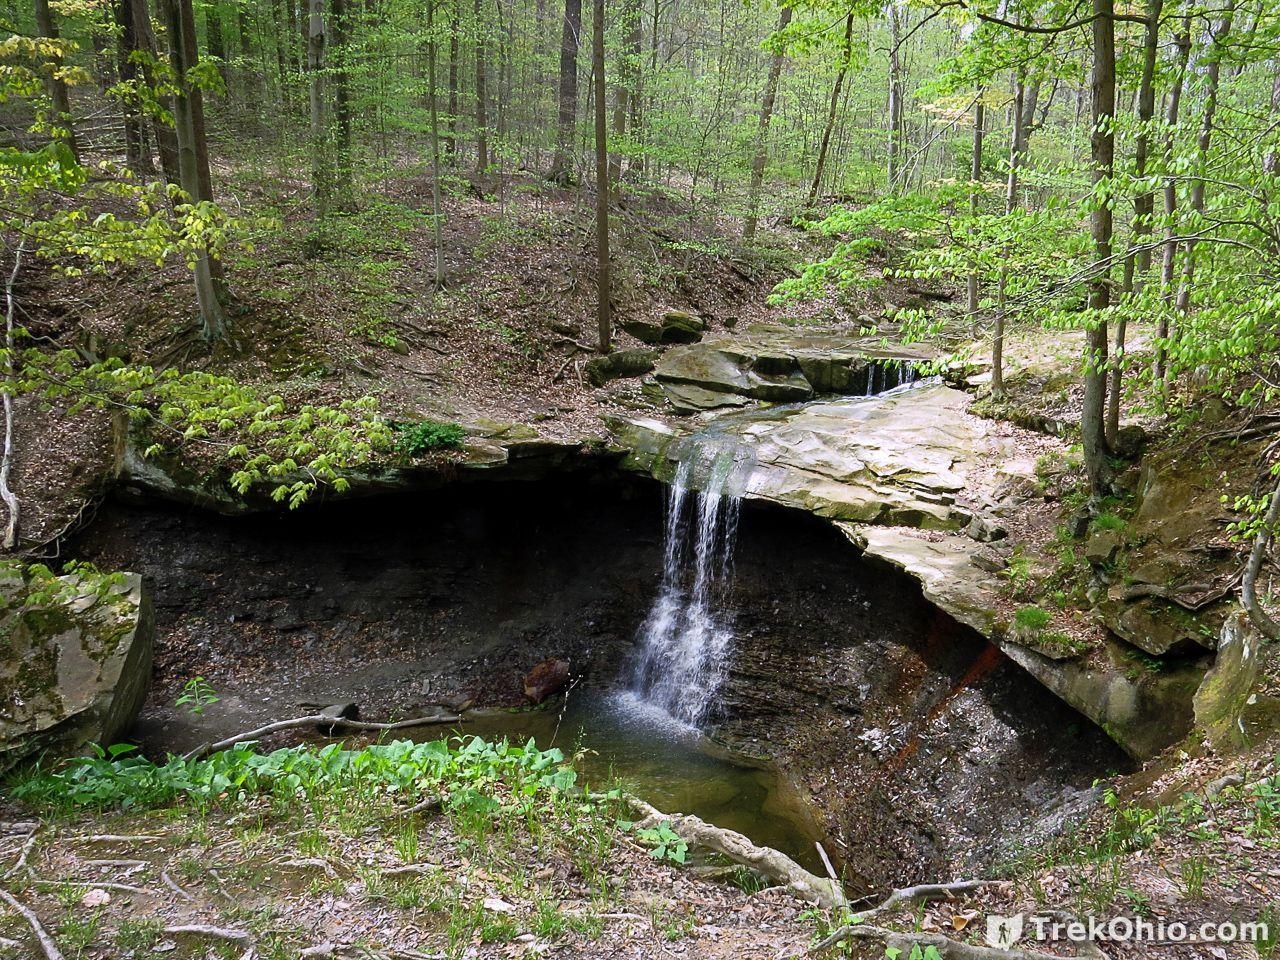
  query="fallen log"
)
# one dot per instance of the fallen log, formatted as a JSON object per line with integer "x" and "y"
{"x": 203, "y": 751}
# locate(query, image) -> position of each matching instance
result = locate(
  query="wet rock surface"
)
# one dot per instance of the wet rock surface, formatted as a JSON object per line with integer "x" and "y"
{"x": 883, "y": 710}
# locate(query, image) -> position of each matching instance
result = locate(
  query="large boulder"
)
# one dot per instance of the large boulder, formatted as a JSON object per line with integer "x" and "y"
{"x": 619, "y": 365}
{"x": 75, "y": 659}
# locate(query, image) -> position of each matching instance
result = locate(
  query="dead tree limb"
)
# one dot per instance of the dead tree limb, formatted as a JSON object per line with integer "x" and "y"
{"x": 924, "y": 893}
{"x": 50, "y": 948}
{"x": 6, "y": 459}
{"x": 774, "y": 865}
{"x": 311, "y": 721}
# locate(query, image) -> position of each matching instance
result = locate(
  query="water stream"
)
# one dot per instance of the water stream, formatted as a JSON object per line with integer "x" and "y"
{"x": 685, "y": 640}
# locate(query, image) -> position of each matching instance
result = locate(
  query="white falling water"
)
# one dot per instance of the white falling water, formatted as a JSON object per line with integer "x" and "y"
{"x": 685, "y": 640}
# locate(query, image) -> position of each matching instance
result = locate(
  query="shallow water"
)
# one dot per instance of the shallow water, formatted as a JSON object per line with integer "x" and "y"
{"x": 667, "y": 763}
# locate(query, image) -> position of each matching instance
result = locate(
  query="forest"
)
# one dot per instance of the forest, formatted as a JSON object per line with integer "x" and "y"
{"x": 709, "y": 478}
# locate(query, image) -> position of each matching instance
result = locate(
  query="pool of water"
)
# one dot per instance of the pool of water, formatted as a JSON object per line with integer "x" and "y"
{"x": 667, "y": 763}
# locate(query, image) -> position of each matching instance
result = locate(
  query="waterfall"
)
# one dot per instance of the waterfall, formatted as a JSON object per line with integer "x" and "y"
{"x": 685, "y": 640}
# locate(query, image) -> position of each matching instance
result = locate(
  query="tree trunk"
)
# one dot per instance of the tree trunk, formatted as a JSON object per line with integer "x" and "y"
{"x": 761, "y": 157}
{"x": 63, "y": 125}
{"x": 166, "y": 137}
{"x": 1136, "y": 264}
{"x": 321, "y": 174}
{"x": 482, "y": 96}
{"x": 215, "y": 40}
{"x": 1102, "y": 153}
{"x": 1213, "y": 74}
{"x": 562, "y": 162}
{"x": 437, "y": 215}
{"x": 1169, "y": 252}
{"x": 451, "y": 145}
{"x": 975, "y": 177}
{"x": 137, "y": 149}
{"x": 193, "y": 157}
{"x": 340, "y": 38}
{"x": 896, "y": 94}
{"x": 603, "y": 284}
{"x": 1025, "y": 98}
{"x": 846, "y": 54}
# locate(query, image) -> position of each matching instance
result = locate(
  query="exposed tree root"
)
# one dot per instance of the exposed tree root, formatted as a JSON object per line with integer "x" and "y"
{"x": 946, "y": 947}
{"x": 772, "y": 864}
{"x": 50, "y": 948}
{"x": 314, "y": 720}
{"x": 924, "y": 893}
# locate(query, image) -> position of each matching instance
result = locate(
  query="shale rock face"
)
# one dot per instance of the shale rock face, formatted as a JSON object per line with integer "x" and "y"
{"x": 75, "y": 660}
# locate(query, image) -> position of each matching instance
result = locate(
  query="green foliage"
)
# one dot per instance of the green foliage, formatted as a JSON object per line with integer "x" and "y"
{"x": 467, "y": 770}
{"x": 666, "y": 843}
{"x": 260, "y": 439}
{"x": 1032, "y": 618}
{"x": 426, "y": 436}
{"x": 197, "y": 694}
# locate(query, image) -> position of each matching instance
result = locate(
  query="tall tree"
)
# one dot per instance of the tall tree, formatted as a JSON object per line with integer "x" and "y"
{"x": 603, "y": 280}
{"x": 562, "y": 162}
{"x": 63, "y": 124}
{"x": 321, "y": 173}
{"x": 761, "y": 156}
{"x": 824, "y": 145}
{"x": 193, "y": 156}
{"x": 1102, "y": 150}
{"x": 482, "y": 95}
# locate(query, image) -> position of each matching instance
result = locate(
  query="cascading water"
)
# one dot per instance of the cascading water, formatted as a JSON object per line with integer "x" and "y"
{"x": 685, "y": 640}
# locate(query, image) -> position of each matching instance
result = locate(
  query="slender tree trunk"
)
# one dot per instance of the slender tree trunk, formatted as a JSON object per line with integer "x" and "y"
{"x": 58, "y": 95}
{"x": 137, "y": 150}
{"x": 437, "y": 215}
{"x": 1102, "y": 154}
{"x": 193, "y": 157}
{"x": 975, "y": 178}
{"x": 340, "y": 38}
{"x": 1169, "y": 251}
{"x": 896, "y": 94}
{"x": 1213, "y": 74}
{"x": 321, "y": 174}
{"x": 165, "y": 136}
{"x": 1026, "y": 96}
{"x": 567, "y": 118}
{"x": 1136, "y": 264}
{"x": 482, "y": 95}
{"x": 824, "y": 145}
{"x": 603, "y": 283}
{"x": 455, "y": 25}
{"x": 215, "y": 39}
{"x": 761, "y": 157}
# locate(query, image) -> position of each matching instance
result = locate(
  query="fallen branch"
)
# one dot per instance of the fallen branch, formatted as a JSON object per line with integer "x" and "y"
{"x": 924, "y": 893}
{"x": 50, "y": 948}
{"x": 172, "y": 884}
{"x": 319, "y": 719}
{"x": 776, "y": 866}
{"x": 6, "y": 459}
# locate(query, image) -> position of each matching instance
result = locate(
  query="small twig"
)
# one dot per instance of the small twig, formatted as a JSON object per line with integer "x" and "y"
{"x": 119, "y": 838}
{"x": 50, "y": 948}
